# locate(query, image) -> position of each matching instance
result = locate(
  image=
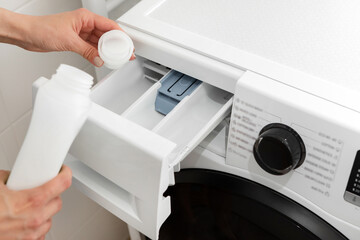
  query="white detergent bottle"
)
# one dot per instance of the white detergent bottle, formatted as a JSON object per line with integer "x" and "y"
{"x": 61, "y": 108}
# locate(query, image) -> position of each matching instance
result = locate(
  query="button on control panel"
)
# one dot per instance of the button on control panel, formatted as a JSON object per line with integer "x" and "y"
{"x": 352, "y": 193}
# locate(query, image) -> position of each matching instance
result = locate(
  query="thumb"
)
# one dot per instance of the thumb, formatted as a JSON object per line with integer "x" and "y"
{"x": 88, "y": 52}
{"x": 4, "y": 175}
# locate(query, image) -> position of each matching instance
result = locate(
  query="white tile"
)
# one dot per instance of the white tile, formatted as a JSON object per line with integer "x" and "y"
{"x": 9, "y": 145}
{"x": 16, "y": 79}
{"x": 4, "y": 165}
{"x": 12, "y": 4}
{"x": 41, "y": 7}
{"x": 20, "y": 127}
{"x": 4, "y": 119}
{"x": 76, "y": 210}
{"x": 49, "y": 236}
{"x": 103, "y": 225}
{"x": 19, "y": 68}
{"x": 15, "y": 82}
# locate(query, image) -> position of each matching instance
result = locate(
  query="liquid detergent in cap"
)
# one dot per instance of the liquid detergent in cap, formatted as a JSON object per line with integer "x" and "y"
{"x": 115, "y": 48}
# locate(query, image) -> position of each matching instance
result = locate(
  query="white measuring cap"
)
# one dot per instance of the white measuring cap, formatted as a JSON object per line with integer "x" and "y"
{"x": 115, "y": 48}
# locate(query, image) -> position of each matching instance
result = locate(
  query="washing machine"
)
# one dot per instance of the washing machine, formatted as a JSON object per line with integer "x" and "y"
{"x": 265, "y": 148}
{"x": 271, "y": 171}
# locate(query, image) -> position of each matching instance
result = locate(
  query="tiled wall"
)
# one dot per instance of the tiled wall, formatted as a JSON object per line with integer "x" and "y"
{"x": 80, "y": 218}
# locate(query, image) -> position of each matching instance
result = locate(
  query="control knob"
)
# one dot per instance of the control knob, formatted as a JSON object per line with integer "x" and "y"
{"x": 279, "y": 149}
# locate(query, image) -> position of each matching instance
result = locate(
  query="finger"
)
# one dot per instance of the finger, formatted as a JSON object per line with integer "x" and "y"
{"x": 98, "y": 33}
{"x": 95, "y": 45}
{"x": 4, "y": 175}
{"x": 39, "y": 232}
{"x": 88, "y": 51}
{"x": 133, "y": 57}
{"x": 11, "y": 226}
{"x": 44, "y": 229}
{"x": 41, "y": 216}
{"x": 43, "y": 194}
{"x": 99, "y": 22}
{"x": 104, "y": 24}
{"x": 93, "y": 39}
{"x": 53, "y": 207}
{"x": 84, "y": 35}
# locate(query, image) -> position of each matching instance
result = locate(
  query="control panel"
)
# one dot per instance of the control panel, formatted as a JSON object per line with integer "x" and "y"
{"x": 247, "y": 127}
{"x": 296, "y": 141}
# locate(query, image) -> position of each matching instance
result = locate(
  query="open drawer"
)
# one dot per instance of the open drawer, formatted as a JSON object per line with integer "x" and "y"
{"x": 125, "y": 155}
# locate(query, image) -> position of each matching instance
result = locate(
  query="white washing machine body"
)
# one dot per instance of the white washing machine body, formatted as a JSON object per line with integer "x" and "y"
{"x": 290, "y": 63}
{"x": 325, "y": 181}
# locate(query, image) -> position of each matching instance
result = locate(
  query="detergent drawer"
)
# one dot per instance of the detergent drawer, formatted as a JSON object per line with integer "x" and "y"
{"x": 125, "y": 155}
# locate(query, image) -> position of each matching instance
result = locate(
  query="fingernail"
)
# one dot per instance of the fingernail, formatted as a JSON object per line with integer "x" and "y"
{"x": 133, "y": 57}
{"x": 98, "y": 61}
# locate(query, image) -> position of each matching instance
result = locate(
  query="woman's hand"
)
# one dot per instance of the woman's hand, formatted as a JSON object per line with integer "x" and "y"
{"x": 27, "y": 214}
{"x": 78, "y": 31}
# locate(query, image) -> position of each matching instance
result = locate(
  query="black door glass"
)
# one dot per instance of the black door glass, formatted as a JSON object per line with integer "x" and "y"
{"x": 210, "y": 205}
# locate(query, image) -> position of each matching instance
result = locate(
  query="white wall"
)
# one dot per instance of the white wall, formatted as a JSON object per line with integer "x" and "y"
{"x": 80, "y": 218}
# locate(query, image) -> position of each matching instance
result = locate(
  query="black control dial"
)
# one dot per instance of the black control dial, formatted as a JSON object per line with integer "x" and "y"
{"x": 279, "y": 149}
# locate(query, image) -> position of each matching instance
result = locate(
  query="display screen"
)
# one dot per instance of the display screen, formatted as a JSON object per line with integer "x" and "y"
{"x": 352, "y": 193}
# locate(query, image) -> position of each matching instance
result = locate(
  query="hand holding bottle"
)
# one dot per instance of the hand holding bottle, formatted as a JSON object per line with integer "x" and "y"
{"x": 27, "y": 214}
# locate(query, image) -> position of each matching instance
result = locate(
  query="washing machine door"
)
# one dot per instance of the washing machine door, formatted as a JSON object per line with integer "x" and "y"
{"x": 211, "y": 205}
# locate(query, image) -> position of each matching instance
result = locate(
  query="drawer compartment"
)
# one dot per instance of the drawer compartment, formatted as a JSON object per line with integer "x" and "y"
{"x": 127, "y": 145}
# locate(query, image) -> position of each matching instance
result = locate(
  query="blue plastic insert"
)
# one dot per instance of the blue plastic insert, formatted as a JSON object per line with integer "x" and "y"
{"x": 174, "y": 87}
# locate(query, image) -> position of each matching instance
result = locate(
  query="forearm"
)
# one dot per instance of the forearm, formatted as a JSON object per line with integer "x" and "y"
{"x": 13, "y": 27}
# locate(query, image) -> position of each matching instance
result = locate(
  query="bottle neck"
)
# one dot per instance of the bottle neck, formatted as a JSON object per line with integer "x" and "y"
{"x": 74, "y": 79}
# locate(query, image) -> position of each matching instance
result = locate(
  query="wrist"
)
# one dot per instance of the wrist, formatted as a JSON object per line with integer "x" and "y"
{"x": 13, "y": 27}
